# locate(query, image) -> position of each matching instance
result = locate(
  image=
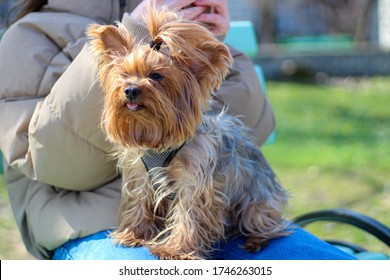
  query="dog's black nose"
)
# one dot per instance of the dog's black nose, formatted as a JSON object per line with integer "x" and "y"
{"x": 132, "y": 93}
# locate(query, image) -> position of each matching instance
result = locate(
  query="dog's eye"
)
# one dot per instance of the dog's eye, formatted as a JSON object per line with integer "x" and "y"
{"x": 155, "y": 76}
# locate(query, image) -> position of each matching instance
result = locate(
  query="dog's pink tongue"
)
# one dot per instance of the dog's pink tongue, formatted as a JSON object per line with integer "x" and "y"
{"x": 132, "y": 106}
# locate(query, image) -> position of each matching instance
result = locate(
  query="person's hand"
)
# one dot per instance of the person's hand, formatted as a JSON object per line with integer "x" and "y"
{"x": 216, "y": 16}
{"x": 213, "y": 13}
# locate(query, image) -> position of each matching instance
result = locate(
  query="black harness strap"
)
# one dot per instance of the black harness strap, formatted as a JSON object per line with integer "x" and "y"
{"x": 152, "y": 159}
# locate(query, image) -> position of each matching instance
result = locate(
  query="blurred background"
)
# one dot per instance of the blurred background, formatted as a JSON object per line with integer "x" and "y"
{"x": 326, "y": 71}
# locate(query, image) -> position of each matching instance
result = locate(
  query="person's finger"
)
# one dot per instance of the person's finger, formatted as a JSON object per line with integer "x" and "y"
{"x": 214, "y": 19}
{"x": 193, "y": 12}
{"x": 217, "y": 19}
{"x": 218, "y": 6}
{"x": 216, "y": 24}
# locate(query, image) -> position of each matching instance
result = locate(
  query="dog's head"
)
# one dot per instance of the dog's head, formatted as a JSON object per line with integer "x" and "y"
{"x": 156, "y": 93}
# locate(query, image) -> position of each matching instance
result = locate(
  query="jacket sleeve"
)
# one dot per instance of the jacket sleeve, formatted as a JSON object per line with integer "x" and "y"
{"x": 47, "y": 217}
{"x": 67, "y": 146}
{"x": 58, "y": 138}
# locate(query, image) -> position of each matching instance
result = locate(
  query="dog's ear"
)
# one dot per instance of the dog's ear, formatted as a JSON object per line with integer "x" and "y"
{"x": 109, "y": 41}
{"x": 211, "y": 64}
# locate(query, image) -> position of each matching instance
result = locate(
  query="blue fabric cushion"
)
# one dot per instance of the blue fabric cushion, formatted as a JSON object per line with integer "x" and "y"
{"x": 301, "y": 245}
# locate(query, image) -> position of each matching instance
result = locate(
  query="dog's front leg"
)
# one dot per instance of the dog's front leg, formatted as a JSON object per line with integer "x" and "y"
{"x": 196, "y": 220}
{"x": 137, "y": 220}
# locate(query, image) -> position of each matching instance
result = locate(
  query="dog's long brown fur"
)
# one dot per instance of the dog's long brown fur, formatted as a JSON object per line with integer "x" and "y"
{"x": 221, "y": 184}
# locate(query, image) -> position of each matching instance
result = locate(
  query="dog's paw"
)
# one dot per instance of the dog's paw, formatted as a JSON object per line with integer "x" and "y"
{"x": 254, "y": 244}
{"x": 128, "y": 239}
{"x": 132, "y": 242}
{"x": 167, "y": 253}
{"x": 180, "y": 257}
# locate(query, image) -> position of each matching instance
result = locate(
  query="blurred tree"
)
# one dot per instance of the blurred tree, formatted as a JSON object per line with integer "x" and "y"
{"x": 347, "y": 16}
{"x": 268, "y": 12}
{"x": 361, "y": 31}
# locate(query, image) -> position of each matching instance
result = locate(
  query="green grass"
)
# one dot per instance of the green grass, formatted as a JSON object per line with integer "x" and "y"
{"x": 11, "y": 246}
{"x": 332, "y": 151}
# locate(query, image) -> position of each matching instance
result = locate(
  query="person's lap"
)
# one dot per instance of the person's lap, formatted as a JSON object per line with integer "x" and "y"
{"x": 301, "y": 245}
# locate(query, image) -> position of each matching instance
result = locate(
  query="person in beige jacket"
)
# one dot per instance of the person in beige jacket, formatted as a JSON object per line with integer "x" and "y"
{"x": 62, "y": 183}
{"x": 61, "y": 180}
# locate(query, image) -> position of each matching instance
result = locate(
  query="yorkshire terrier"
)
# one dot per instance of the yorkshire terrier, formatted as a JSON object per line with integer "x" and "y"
{"x": 191, "y": 178}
